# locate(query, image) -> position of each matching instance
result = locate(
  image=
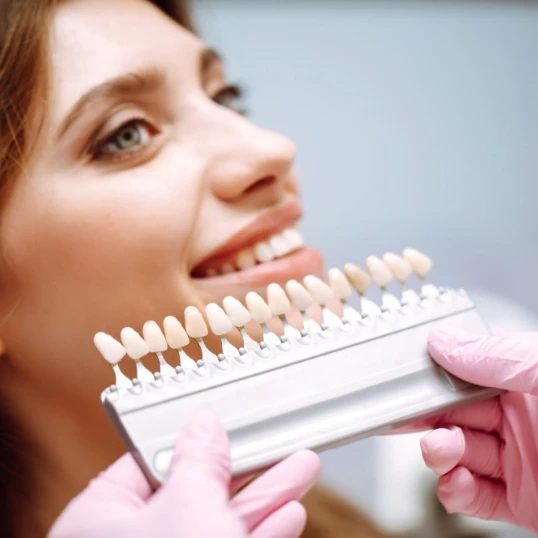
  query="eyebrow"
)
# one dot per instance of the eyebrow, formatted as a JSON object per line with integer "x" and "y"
{"x": 138, "y": 82}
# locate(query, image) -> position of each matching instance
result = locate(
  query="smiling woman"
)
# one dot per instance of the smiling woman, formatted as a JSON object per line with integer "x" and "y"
{"x": 132, "y": 186}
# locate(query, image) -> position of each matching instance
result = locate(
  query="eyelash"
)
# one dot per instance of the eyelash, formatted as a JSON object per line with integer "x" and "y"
{"x": 228, "y": 96}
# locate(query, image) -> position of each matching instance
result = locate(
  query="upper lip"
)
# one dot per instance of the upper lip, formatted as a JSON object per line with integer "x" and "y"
{"x": 261, "y": 228}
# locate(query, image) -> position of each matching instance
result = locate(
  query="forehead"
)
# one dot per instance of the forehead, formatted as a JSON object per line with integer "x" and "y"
{"x": 96, "y": 40}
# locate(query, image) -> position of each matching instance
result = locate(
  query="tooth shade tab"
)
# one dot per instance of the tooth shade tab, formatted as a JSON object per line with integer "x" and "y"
{"x": 299, "y": 295}
{"x": 219, "y": 322}
{"x": 111, "y": 350}
{"x": 400, "y": 268}
{"x": 195, "y": 324}
{"x": 263, "y": 252}
{"x": 236, "y": 311}
{"x": 420, "y": 263}
{"x": 277, "y": 300}
{"x": 258, "y": 308}
{"x": 133, "y": 343}
{"x": 319, "y": 290}
{"x": 359, "y": 279}
{"x": 245, "y": 259}
{"x": 379, "y": 272}
{"x": 175, "y": 334}
{"x": 154, "y": 337}
{"x": 339, "y": 284}
{"x": 294, "y": 238}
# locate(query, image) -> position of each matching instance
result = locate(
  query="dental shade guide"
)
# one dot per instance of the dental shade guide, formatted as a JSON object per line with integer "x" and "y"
{"x": 352, "y": 377}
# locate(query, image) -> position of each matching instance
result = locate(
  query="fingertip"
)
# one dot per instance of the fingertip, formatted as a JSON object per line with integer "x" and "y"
{"x": 442, "y": 449}
{"x": 456, "y": 490}
{"x": 310, "y": 460}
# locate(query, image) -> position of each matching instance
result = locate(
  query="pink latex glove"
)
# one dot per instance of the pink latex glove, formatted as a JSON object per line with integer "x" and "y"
{"x": 487, "y": 454}
{"x": 195, "y": 500}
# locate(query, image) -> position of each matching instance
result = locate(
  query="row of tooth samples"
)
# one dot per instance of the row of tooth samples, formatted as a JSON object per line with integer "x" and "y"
{"x": 234, "y": 313}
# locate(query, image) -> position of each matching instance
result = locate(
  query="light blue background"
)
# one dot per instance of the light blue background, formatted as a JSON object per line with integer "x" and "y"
{"x": 416, "y": 123}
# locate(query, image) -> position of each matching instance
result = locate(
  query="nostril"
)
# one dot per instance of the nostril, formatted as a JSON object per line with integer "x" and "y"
{"x": 262, "y": 183}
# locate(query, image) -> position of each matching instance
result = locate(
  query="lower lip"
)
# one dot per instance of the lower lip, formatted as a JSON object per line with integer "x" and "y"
{"x": 306, "y": 261}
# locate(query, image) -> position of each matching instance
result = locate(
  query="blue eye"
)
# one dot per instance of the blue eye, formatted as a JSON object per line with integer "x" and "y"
{"x": 128, "y": 137}
{"x": 231, "y": 97}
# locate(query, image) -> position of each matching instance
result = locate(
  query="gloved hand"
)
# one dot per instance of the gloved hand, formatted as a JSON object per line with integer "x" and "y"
{"x": 487, "y": 454}
{"x": 195, "y": 500}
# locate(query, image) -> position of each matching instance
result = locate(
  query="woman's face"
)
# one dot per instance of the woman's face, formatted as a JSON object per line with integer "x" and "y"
{"x": 146, "y": 182}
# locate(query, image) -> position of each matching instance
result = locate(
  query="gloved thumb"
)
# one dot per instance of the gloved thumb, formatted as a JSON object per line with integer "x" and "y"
{"x": 201, "y": 466}
{"x": 508, "y": 362}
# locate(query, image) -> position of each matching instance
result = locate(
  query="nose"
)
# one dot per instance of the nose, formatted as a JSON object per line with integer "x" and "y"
{"x": 249, "y": 163}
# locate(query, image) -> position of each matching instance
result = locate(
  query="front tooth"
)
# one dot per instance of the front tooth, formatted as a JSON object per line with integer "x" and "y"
{"x": 379, "y": 272}
{"x": 401, "y": 268}
{"x": 176, "y": 335}
{"x": 258, "y": 307}
{"x": 263, "y": 252}
{"x": 227, "y": 268}
{"x": 420, "y": 263}
{"x": 278, "y": 300}
{"x": 194, "y": 323}
{"x": 154, "y": 337}
{"x": 236, "y": 311}
{"x": 298, "y": 295}
{"x": 245, "y": 259}
{"x": 339, "y": 284}
{"x": 111, "y": 350}
{"x": 359, "y": 279}
{"x": 294, "y": 237}
{"x": 279, "y": 245}
{"x": 133, "y": 343}
{"x": 219, "y": 322}
{"x": 319, "y": 290}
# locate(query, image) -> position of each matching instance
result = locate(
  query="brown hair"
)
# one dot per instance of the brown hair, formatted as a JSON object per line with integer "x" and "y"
{"x": 23, "y": 89}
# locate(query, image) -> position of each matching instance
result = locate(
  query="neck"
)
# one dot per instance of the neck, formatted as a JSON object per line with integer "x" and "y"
{"x": 65, "y": 444}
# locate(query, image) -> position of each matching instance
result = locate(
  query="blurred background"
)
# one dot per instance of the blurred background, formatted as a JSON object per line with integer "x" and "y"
{"x": 417, "y": 125}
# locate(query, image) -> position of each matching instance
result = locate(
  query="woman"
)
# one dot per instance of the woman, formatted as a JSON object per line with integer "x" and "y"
{"x": 128, "y": 177}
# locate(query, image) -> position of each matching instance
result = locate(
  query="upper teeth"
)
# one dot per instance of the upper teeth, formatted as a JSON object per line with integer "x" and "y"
{"x": 276, "y": 246}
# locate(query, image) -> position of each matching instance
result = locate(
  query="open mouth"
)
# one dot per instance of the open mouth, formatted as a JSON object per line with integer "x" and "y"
{"x": 276, "y": 246}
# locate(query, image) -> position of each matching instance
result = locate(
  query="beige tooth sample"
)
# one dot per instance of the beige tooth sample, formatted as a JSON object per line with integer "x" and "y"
{"x": 219, "y": 322}
{"x": 263, "y": 252}
{"x": 420, "y": 263}
{"x": 245, "y": 259}
{"x": 262, "y": 314}
{"x": 112, "y": 351}
{"x": 195, "y": 324}
{"x": 339, "y": 284}
{"x": 136, "y": 349}
{"x": 322, "y": 294}
{"x": 280, "y": 305}
{"x": 156, "y": 342}
{"x": 400, "y": 268}
{"x": 177, "y": 339}
{"x": 379, "y": 272}
{"x": 240, "y": 316}
{"x": 299, "y": 295}
{"x": 359, "y": 279}
{"x": 279, "y": 245}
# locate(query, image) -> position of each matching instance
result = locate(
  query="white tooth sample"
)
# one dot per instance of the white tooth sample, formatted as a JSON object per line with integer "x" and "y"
{"x": 133, "y": 343}
{"x": 111, "y": 350}
{"x": 227, "y": 268}
{"x": 339, "y": 284}
{"x": 236, "y": 311}
{"x": 245, "y": 259}
{"x": 258, "y": 308}
{"x": 380, "y": 273}
{"x": 211, "y": 272}
{"x": 400, "y": 268}
{"x": 359, "y": 279}
{"x": 298, "y": 295}
{"x": 154, "y": 337}
{"x": 420, "y": 263}
{"x": 277, "y": 300}
{"x": 219, "y": 322}
{"x": 195, "y": 324}
{"x": 319, "y": 290}
{"x": 175, "y": 334}
{"x": 279, "y": 245}
{"x": 263, "y": 252}
{"x": 294, "y": 237}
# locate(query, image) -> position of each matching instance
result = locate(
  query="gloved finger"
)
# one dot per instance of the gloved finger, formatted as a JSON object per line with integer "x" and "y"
{"x": 200, "y": 466}
{"x": 514, "y": 334}
{"x": 123, "y": 482}
{"x": 461, "y": 492}
{"x": 508, "y": 363}
{"x": 287, "y": 522}
{"x": 444, "y": 449}
{"x": 287, "y": 481}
